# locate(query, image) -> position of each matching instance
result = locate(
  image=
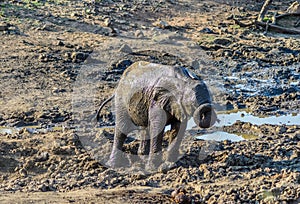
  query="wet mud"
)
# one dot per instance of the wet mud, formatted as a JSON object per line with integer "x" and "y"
{"x": 251, "y": 156}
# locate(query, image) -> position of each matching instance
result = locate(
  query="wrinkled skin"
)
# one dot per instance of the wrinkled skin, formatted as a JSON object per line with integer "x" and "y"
{"x": 151, "y": 96}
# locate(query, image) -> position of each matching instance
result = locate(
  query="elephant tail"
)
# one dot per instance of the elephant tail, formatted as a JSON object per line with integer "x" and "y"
{"x": 102, "y": 105}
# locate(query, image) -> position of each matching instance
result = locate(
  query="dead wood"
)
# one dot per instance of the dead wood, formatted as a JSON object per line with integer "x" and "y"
{"x": 272, "y": 26}
{"x": 279, "y": 29}
{"x": 264, "y": 10}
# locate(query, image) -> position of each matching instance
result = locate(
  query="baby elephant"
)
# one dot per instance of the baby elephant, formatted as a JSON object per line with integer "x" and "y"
{"x": 151, "y": 96}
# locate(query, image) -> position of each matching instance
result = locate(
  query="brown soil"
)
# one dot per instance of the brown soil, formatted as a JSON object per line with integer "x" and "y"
{"x": 45, "y": 44}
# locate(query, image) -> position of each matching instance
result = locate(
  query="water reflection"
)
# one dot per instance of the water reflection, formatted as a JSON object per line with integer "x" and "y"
{"x": 221, "y": 136}
{"x": 228, "y": 119}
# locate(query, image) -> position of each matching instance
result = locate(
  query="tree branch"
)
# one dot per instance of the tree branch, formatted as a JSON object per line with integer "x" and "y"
{"x": 264, "y": 10}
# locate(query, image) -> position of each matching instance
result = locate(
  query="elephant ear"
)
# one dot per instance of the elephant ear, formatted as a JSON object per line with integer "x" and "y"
{"x": 167, "y": 94}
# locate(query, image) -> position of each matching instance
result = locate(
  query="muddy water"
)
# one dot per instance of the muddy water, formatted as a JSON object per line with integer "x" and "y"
{"x": 266, "y": 81}
{"x": 221, "y": 136}
{"x": 29, "y": 129}
{"x": 228, "y": 119}
{"x": 243, "y": 116}
{"x": 4, "y": 130}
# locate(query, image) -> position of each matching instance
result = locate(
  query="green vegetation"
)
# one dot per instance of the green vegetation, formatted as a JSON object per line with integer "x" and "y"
{"x": 33, "y": 4}
{"x": 235, "y": 26}
{"x": 2, "y": 11}
{"x": 207, "y": 38}
{"x": 266, "y": 19}
{"x": 247, "y": 136}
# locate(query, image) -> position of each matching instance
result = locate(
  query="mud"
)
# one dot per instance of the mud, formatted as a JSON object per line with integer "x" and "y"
{"x": 253, "y": 74}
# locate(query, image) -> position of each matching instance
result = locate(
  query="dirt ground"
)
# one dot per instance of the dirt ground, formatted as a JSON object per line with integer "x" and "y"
{"x": 45, "y": 45}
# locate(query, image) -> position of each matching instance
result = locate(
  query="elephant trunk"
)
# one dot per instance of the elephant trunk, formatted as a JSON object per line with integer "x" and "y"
{"x": 205, "y": 116}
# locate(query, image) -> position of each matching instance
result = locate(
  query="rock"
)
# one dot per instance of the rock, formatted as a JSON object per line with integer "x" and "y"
{"x": 195, "y": 64}
{"x": 44, "y": 156}
{"x": 207, "y": 30}
{"x": 222, "y": 41}
{"x": 123, "y": 64}
{"x": 107, "y": 22}
{"x": 281, "y": 129}
{"x": 48, "y": 27}
{"x": 46, "y": 187}
{"x": 126, "y": 49}
{"x": 43, "y": 58}
{"x": 23, "y": 172}
{"x": 162, "y": 24}
{"x": 79, "y": 56}
{"x": 4, "y": 26}
{"x": 107, "y": 31}
{"x": 296, "y": 137}
{"x": 74, "y": 15}
{"x": 180, "y": 197}
{"x": 60, "y": 43}
{"x": 172, "y": 1}
{"x": 139, "y": 34}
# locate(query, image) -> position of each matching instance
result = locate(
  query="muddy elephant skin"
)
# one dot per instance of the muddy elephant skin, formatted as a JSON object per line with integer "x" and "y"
{"x": 151, "y": 96}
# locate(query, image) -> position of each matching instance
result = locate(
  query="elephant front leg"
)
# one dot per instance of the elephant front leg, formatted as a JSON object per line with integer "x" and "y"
{"x": 157, "y": 122}
{"x": 117, "y": 157}
{"x": 173, "y": 150}
{"x": 144, "y": 147}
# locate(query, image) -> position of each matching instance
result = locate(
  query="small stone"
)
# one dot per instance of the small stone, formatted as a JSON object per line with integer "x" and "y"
{"x": 107, "y": 22}
{"x": 172, "y": 1}
{"x": 47, "y": 27}
{"x": 296, "y": 137}
{"x": 180, "y": 197}
{"x": 46, "y": 187}
{"x": 44, "y": 156}
{"x": 125, "y": 48}
{"x": 162, "y": 24}
{"x": 281, "y": 129}
{"x": 78, "y": 56}
{"x": 195, "y": 64}
{"x": 74, "y": 14}
{"x": 139, "y": 34}
{"x": 60, "y": 43}
{"x": 43, "y": 58}
{"x": 207, "y": 30}
{"x": 222, "y": 41}
{"x": 23, "y": 172}
{"x": 22, "y": 130}
{"x": 4, "y": 26}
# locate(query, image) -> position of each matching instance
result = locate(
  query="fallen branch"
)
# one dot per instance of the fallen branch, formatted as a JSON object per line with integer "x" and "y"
{"x": 272, "y": 26}
{"x": 243, "y": 25}
{"x": 279, "y": 29}
{"x": 264, "y": 10}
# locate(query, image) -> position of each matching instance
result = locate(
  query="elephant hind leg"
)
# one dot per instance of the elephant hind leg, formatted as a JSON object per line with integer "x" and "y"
{"x": 117, "y": 156}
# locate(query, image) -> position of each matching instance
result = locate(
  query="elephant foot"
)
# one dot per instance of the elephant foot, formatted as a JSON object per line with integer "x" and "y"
{"x": 118, "y": 161}
{"x": 166, "y": 166}
{"x": 154, "y": 162}
{"x": 172, "y": 156}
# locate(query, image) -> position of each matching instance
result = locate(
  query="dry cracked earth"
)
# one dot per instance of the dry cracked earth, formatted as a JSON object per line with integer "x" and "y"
{"x": 45, "y": 45}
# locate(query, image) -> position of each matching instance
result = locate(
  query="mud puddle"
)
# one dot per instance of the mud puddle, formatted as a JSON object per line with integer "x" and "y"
{"x": 30, "y": 129}
{"x": 217, "y": 134}
{"x": 265, "y": 81}
{"x": 229, "y": 118}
